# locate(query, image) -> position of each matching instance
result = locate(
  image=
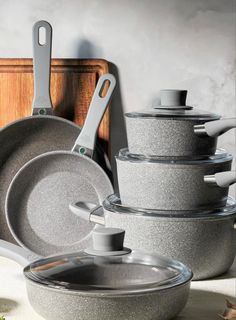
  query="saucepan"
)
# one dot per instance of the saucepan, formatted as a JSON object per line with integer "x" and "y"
{"x": 157, "y": 183}
{"x": 175, "y": 129}
{"x": 107, "y": 281}
{"x": 204, "y": 241}
{"x": 38, "y": 197}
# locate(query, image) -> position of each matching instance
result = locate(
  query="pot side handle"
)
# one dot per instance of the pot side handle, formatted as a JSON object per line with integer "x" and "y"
{"x": 221, "y": 179}
{"x": 88, "y": 211}
{"x": 20, "y": 255}
{"x": 215, "y": 128}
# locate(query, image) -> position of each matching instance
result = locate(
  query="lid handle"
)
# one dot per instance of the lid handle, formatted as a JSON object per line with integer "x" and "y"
{"x": 108, "y": 239}
{"x": 173, "y": 99}
{"x": 108, "y": 242}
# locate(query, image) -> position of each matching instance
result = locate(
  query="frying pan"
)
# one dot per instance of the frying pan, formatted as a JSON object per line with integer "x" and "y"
{"x": 39, "y": 195}
{"x": 27, "y": 138}
{"x": 90, "y": 284}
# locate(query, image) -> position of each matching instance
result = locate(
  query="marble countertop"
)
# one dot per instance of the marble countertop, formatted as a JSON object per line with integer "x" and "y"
{"x": 206, "y": 301}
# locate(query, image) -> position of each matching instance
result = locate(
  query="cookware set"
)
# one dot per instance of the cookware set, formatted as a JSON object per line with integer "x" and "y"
{"x": 173, "y": 204}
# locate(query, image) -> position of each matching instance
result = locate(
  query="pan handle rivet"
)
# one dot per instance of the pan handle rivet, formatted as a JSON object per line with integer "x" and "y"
{"x": 42, "y": 111}
{"x": 82, "y": 150}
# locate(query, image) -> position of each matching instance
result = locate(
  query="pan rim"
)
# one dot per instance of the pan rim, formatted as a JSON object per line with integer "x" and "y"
{"x": 53, "y": 117}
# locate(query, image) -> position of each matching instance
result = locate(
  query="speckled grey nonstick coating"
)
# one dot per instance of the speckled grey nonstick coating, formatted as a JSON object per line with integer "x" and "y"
{"x": 170, "y": 186}
{"x": 167, "y": 137}
{"x": 39, "y": 195}
{"x": 25, "y": 139}
{"x": 60, "y": 304}
{"x": 206, "y": 245}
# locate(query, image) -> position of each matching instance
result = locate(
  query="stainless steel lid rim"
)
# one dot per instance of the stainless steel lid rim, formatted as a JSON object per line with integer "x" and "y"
{"x": 113, "y": 204}
{"x": 220, "y": 156}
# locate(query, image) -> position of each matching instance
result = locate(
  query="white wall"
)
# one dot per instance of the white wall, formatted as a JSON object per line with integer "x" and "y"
{"x": 187, "y": 44}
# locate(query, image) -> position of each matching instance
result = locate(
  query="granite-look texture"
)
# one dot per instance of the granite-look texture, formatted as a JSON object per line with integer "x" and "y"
{"x": 38, "y": 199}
{"x": 58, "y": 304}
{"x": 182, "y": 44}
{"x": 206, "y": 245}
{"x": 167, "y": 138}
{"x": 23, "y": 141}
{"x": 170, "y": 186}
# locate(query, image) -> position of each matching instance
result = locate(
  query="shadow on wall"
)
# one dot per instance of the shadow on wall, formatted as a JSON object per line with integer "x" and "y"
{"x": 118, "y": 130}
{"x": 87, "y": 50}
{"x": 204, "y": 305}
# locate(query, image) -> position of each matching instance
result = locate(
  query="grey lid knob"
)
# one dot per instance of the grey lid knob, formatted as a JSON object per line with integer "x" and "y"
{"x": 174, "y": 99}
{"x": 108, "y": 241}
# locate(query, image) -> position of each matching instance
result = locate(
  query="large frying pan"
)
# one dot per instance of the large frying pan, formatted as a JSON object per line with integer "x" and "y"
{"x": 27, "y": 138}
{"x": 39, "y": 195}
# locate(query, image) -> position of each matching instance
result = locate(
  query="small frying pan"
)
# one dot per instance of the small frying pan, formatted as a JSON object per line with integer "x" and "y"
{"x": 39, "y": 195}
{"x": 27, "y": 138}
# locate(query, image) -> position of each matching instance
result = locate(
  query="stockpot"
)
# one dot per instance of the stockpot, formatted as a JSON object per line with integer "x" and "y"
{"x": 104, "y": 282}
{"x": 174, "y": 129}
{"x": 204, "y": 241}
{"x": 158, "y": 183}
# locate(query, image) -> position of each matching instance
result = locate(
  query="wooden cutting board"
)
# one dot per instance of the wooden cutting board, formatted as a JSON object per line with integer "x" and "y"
{"x": 72, "y": 85}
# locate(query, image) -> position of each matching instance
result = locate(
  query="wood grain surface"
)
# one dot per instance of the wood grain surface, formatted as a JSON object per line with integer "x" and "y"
{"x": 72, "y": 85}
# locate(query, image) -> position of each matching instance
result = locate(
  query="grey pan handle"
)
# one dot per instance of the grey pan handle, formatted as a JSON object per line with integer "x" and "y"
{"x": 88, "y": 212}
{"x": 16, "y": 253}
{"x": 215, "y": 128}
{"x": 42, "y": 103}
{"x": 86, "y": 139}
{"x": 221, "y": 179}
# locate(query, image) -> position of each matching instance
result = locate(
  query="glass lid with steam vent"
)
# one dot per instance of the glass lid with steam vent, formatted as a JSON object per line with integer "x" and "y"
{"x": 173, "y": 105}
{"x": 108, "y": 268}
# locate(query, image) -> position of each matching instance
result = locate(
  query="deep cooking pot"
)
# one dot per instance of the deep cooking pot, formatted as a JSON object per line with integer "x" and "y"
{"x": 205, "y": 241}
{"x": 175, "y": 129}
{"x": 158, "y": 183}
{"x": 104, "y": 282}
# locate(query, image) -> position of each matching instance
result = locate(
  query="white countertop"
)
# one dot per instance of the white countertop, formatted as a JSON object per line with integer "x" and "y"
{"x": 206, "y": 301}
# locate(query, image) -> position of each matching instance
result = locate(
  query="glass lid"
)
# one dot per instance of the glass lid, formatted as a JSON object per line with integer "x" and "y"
{"x": 220, "y": 156}
{"x": 173, "y": 105}
{"x": 108, "y": 268}
{"x": 113, "y": 204}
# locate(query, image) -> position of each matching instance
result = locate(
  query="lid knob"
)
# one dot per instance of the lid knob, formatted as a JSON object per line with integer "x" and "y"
{"x": 174, "y": 99}
{"x": 108, "y": 241}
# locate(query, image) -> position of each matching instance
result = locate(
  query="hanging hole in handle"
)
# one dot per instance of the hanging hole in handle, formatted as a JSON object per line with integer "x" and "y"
{"x": 104, "y": 88}
{"x": 42, "y": 36}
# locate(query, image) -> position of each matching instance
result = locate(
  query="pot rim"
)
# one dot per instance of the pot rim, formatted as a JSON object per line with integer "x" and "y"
{"x": 221, "y": 156}
{"x": 113, "y": 204}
